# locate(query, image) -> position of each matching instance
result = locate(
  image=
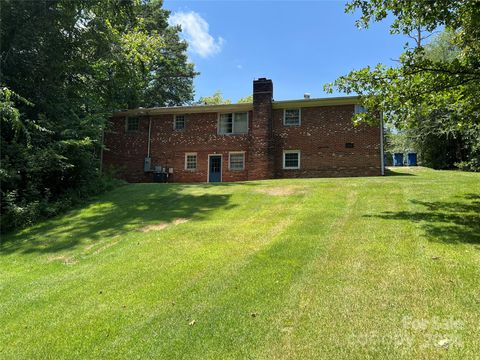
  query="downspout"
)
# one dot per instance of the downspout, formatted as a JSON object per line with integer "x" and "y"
{"x": 149, "y": 133}
{"x": 382, "y": 156}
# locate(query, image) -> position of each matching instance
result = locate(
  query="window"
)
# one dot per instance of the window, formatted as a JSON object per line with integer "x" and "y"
{"x": 359, "y": 109}
{"x": 179, "y": 123}
{"x": 226, "y": 124}
{"x": 190, "y": 161}
{"x": 233, "y": 123}
{"x": 349, "y": 145}
{"x": 291, "y": 159}
{"x": 291, "y": 117}
{"x": 132, "y": 123}
{"x": 237, "y": 161}
{"x": 240, "y": 123}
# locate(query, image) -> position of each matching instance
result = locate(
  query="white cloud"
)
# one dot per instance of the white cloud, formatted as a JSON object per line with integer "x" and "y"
{"x": 239, "y": 66}
{"x": 195, "y": 31}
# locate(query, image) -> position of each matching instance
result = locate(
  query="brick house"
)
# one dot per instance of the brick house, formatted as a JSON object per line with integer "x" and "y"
{"x": 261, "y": 140}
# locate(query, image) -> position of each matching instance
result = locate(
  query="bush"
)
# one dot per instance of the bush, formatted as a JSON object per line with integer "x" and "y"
{"x": 472, "y": 165}
{"x": 19, "y": 213}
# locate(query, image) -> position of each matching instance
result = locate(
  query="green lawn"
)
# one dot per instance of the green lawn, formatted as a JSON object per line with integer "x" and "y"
{"x": 379, "y": 267}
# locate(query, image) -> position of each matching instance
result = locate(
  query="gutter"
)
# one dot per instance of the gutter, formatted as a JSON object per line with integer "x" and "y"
{"x": 300, "y": 103}
{"x": 185, "y": 109}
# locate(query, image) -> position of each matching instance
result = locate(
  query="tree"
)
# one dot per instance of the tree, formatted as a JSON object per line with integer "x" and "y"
{"x": 64, "y": 67}
{"x": 398, "y": 141}
{"x": 246, "y": 99}
{"x": 426, "y": 91}
{"x": 215, "y": 99}
{"x": 437, "y": 148}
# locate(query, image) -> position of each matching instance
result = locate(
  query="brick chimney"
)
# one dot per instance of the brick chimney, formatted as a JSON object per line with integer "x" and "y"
{"x": 261, "y": 140}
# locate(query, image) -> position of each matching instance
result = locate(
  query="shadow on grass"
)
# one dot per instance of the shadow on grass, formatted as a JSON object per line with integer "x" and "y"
{"x": 390, "y": 172}
{"x": 448, "y": 222}
{"x": 122, "y": 210}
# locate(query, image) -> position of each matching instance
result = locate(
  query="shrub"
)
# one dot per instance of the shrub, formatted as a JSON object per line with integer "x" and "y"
{"x": 21, "y": 212}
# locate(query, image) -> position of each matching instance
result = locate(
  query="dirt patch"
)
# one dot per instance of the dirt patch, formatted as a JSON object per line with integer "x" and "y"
{"x": 67, "y": 260}
{"x": 154, "y": 227}
{"x": 89, "y": 247}
{"x": 105, "y": 247}
{"x": 179, "y": 221}
{"x": 162, "y": 225}
{"x": 283, "y": 190}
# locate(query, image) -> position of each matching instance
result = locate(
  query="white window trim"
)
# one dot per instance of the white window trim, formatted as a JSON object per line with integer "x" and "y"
{"x": 175, "y": 121}
{"x": 291, "y": 152}
{"x": 236, "y": 152}
{"x": 299, "y": 117}
{"x": 233, "y": 123}
{"x": 196, "y": 161}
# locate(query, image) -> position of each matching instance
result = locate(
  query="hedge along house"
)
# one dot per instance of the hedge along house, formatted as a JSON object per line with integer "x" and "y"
{"x": 261, "y": 140}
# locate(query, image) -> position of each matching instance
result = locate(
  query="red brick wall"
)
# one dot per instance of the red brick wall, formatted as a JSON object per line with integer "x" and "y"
{"x": 200, "y": 136}
{"x": 168, "y": 148}
{"x": 260, "y": 163}
{"x": 321, "y": 139}
{"x": 124, "y": 151}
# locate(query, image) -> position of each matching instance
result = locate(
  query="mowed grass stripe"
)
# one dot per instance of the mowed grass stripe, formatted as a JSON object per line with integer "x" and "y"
{"x": 233, "y": 317}
{"x": 356, "y": 287}
{"x": 115, "y": 274}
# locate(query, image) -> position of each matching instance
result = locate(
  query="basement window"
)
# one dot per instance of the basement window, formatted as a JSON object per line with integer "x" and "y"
{"x": 236, "y": 161}
{"x": 132, "y": 123}
{"x": 349, "y": 145}
{"x": 179, "y": 123}
{"x": 291, "y": 117}
{"x": 291, "y": 159}
{"x": 233, "y": 123}
{"x": 191, "y": 161}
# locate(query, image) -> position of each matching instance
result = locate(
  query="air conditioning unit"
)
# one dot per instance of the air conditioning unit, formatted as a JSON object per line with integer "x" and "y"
{"x": 147, "y": 164}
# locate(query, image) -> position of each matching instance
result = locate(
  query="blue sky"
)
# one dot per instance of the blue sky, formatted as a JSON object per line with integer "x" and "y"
{"x": 300, "y": 45}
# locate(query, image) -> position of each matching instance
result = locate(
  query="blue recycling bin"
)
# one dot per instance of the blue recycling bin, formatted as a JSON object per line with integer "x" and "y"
{"x": 412, "y": 159}
{"x": 398, "y": 159}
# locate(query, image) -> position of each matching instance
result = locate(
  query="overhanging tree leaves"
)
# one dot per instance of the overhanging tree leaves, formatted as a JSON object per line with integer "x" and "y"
{"x": 245, "y": 99}
{"x": 425, "y": 90}
{"x": 64, "y": 67}
{"x": 216, "y": 99}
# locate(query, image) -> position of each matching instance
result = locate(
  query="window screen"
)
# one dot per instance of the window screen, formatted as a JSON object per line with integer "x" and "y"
{"x": 191, "y": 161}
{"x": 132, "y": 123}
{"x": 237, "y": 161}
{"x": 291, "y": 117}
{"x": 291, "y": 159}
{"x": 226, "y": 124}
{"x": 240, "y": 124}
{"x": 233, "y": 123}
{"x": 179, "y": 124}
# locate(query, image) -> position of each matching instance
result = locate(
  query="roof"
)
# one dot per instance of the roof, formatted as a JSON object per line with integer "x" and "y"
{"x": 342, "y": 100}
